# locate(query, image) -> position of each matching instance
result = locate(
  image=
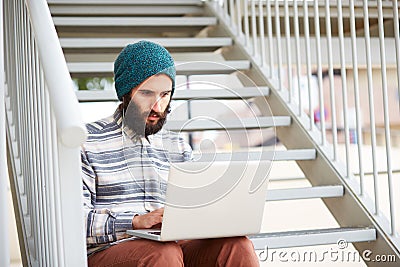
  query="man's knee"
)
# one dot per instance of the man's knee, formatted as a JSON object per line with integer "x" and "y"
{"x": 164, "y": 254}
{"x": 237, "y": 251}
{"x": 238, "y": 243}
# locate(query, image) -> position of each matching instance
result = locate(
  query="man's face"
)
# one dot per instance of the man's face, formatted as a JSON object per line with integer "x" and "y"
{"x": 148, "y": 108}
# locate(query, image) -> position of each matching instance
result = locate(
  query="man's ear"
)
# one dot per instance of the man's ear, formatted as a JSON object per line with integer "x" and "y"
{"x": 168, "y": 110}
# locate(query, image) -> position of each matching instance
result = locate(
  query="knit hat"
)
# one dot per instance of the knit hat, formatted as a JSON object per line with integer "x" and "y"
{"x": 139, "y": 61}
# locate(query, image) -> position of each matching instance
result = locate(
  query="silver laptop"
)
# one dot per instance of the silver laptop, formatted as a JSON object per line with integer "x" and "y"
{"x": 210, "y": 200}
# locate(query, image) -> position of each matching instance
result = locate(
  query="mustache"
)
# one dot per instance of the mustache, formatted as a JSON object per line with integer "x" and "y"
{"x": 158, "y": 114}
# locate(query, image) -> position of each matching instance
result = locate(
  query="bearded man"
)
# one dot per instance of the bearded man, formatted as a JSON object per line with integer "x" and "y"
{"x": 125, "y": 164}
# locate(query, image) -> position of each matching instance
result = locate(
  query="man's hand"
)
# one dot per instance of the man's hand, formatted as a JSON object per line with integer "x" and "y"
{"x": 148, "y": 220}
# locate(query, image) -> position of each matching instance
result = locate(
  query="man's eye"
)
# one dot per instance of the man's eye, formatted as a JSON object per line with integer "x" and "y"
{"x": 147, "y": 93}
{"x": 166, "y": 94}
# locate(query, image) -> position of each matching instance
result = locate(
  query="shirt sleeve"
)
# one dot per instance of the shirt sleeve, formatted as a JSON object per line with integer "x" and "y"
{"x": 102, "y": 225}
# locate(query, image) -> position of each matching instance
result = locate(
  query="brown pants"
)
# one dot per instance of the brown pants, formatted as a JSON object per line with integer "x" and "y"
{"x": 233, "y": 251}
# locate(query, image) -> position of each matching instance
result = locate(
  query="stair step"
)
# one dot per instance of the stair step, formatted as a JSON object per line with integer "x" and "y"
{"x": 234, "y": 93}
{"x": 126, "y": 2}
{"x": 104, "y": 55}
{"x": 197, "y": 94}
{"x": 96, "y": 95}
{"x": 135, "y": 21}
{"x": 305, "y": 193}
{"x": 295, "y": 154}
{"x": 207, "y": 67}
{"x": 123, "y": 9}
{"x": 340, "y": 236}
{"x": 205, "y": 124}
{"x": 197, "y": 67}
{"x": 122, "y": 42}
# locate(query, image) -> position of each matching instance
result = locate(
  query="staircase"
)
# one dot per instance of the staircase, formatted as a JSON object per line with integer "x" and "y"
{"x": 219, "y": 69}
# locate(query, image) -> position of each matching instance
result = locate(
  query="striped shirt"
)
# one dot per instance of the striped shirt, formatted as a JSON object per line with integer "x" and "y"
{"x": 124, "y": 175}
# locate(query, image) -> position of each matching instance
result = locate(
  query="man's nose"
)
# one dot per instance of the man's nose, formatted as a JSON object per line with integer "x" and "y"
{"x": 157, "y": 106}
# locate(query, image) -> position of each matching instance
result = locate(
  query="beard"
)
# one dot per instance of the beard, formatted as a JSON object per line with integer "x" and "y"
{"x": 135, "y": 120}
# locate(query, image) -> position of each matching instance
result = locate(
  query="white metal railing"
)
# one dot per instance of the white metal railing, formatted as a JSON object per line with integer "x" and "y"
{"x": 334, "y": 120}
{"x": 45, "y": 131}
{"x": 4, "y": 242}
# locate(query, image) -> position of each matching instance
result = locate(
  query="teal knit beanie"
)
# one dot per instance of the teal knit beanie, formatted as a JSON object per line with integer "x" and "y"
{"x": 139, "y": 61}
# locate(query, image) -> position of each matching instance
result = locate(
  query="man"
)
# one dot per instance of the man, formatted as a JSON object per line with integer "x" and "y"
{"x": 125, "y": 163}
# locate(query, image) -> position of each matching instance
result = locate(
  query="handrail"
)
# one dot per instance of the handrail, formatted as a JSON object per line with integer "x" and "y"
{"x": 44, "y": 134}
{"x": 71, "y": 129}
{"x": 4, "y": 238}
{"x": 353, "y": 61}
